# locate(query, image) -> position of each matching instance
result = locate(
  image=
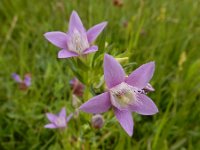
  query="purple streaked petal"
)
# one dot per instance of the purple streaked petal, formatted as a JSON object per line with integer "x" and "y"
{"x": 144, "y": 105}
{"x": 97, "y": 104}
{"x": 69, "y": 117}
{"x": 57, "y": 38}
{"x": 141, "y": 76}
{"x": 62, "y": 113}
{"x": 75, "y": 23}
{"x": 92, "y": 49}
{"x": 16, "y": 77}
{"x": 113, "y": 71}
{"x": 51, "y": 126}
{"x": 125, "y": 119}
{"x": 94, "y": 32}
{"x": 51, "y": 117}
{"x": 66, "y": 54}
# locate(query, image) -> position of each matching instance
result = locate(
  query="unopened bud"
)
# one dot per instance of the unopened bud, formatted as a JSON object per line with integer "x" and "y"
{"x": 97, "y": 121}
{"x": 148, "y": 88}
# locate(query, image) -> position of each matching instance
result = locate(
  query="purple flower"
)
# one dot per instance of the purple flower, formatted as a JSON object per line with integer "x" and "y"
{"x": 58, "y": 121}
{"x": 23, "y": 84}
{"x": 124, "y": 93}
{"x": 77, "y": 41}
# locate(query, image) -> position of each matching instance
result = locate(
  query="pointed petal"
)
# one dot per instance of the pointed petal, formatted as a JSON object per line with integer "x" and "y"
{"x": 144, "y": 105}
{"x": 94, "y": 32}
{"x": 125, "y": 119}
{"x": 16, "y": 77}
{"x": 51, "y": 126}
{"x": 69, "y": 117}
{"x": 75, "y": 22}
{"x": 57, "y": 38}
{"x": 97, "y": 104}
{"x": 141, "y": 76}
{"x": 91, "y": 49}
{"x": 62, "y": 113}
{"x": 113, "y": 71}
{"x": 51, "y": 117}
{"x": 66, "y": 54}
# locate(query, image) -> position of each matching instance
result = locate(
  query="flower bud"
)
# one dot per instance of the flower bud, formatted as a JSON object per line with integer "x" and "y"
{"x": 77, "y": 87}
{"x": 97, "y": 121}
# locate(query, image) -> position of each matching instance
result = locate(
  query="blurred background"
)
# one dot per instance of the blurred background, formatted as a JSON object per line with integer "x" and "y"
{"x": 167, "y": 32}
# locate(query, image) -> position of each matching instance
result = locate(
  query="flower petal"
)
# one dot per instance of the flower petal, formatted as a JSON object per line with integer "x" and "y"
{"x": 69, "y": 117}
{"x": 125, "y": 119}
{"x": 97, "y": 104}
{"x": 144, "y": 105}
{"x": 62, "y": 113}
{"x": 75, "y": 22}
{"x": 141, "y": 76}
{"x": 66, "y": 54}
{"x": 51, "y": 126}
{"x": 113, "y": 71}
{"x": 27, "y": 80}
{"x": 91, "y": 49}
{"x": 94, "y": 32}
{"x": 57, "y": 38}
{"x": 51, "y": 117}
{"x": 16, "y": 77}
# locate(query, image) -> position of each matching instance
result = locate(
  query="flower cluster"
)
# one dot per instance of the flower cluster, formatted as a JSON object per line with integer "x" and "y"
{"x": 124, "y": 94}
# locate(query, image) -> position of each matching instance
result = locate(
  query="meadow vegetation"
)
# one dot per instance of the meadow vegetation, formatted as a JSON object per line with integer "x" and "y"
{"x": 167, "y": 32}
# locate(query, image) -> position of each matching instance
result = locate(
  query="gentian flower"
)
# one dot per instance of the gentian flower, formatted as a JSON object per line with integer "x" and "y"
{"x": 124, "y": 94}
{"x": 77, "y": 87}
{"x": 58, "y": 121}
{"x": 77, "y": 41}
{"x": 23, "y": 84}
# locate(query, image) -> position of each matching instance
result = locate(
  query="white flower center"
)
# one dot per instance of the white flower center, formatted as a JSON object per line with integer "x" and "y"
{"x": 78, "y": 42}
{"x": 122, "y": 95}
{"x": 60, "y": 122}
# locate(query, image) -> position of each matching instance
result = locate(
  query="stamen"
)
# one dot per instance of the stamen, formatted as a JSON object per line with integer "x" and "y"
{"x": 122, "y": 95}
{"x": 60, "y": 122}
{"x": 78, "y": 42}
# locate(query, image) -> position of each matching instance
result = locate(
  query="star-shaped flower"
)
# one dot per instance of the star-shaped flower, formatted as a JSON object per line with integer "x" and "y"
{"x": 125, "y": 94}
{"x": 23, "y": 84}
{"x": 58, "y": 121}
{"x": 77, "y": 41}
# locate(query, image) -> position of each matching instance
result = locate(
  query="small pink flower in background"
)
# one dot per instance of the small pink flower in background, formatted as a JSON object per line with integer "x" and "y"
{"x": 118, "y": 3}
{"x": 23, "y": 84}
{"x": 77, "y": 41}
{"x": 77, "y": 87}
{"x": 58, "y": 121}
{"x": 124, "y": 93}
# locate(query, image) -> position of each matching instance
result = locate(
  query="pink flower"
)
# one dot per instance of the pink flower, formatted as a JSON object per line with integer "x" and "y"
{"x": 58, "y": 121}
{"x": 77, "y": 41}
{"x": 124, "y": 94}
{"x": 23, "y": 84}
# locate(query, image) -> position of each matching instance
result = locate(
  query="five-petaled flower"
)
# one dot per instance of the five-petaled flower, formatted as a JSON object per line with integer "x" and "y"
{"x": 125, "y": 94}
{"x": 77, "y": 41}
{"x": 58, "y": 121}
{"x": 23, "y": 84}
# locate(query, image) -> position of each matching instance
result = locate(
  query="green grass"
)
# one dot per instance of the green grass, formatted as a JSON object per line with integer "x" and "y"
{"x": 157, "y": 30}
